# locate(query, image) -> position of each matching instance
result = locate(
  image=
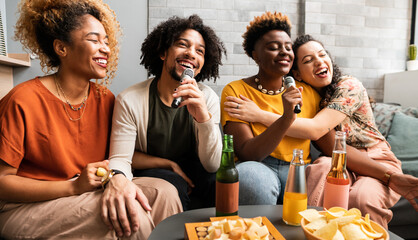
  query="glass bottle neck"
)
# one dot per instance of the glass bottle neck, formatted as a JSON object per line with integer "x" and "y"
{"x": 339, "y": 161}
{"x": 297, "y": 157}
{"x": 339, "y": 154}
{"x": 227, "y": 152}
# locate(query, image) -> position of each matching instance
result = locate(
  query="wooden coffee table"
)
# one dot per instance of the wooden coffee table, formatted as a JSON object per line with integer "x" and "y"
{"x": 172, "y": 228}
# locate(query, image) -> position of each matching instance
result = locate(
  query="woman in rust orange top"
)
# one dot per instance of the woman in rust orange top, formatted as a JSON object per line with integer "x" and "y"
{"x": 54, "y": 130}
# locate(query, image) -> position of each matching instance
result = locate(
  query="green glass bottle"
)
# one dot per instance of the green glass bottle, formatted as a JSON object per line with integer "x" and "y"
{"x": 227, "y": 184}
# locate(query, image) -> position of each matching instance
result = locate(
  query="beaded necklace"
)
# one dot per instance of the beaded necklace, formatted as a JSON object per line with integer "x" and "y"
{"x": 265, "y": 91}
{"x": 83, "y": 104}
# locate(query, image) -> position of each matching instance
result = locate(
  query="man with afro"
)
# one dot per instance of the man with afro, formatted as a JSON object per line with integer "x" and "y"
{"x": 181, "y": 145}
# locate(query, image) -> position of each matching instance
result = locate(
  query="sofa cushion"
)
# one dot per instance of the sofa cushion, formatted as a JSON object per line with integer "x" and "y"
{"x": 383, "y": 114}
{"x": 403, "y": 137}
{"x": 410, "y": 167}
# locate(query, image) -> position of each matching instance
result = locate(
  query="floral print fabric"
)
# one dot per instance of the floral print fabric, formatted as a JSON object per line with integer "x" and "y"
{"x": 351, "y": 98}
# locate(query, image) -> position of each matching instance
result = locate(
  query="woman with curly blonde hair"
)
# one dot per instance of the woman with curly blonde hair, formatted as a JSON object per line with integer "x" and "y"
{"x": 55, "y": 128}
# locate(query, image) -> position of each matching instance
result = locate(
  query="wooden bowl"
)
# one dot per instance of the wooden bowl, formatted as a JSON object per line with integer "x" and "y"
{"x": 377, "y": 227}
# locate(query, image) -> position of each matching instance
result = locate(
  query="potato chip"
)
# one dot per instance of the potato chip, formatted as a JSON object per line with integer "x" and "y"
{"x": 336, "y": 209}
{"x": 328, "y": 231}
{"x": 343, "y": 220}
{"x": 338, "y": 236}
{"x": 372, "y": 234}
{"x": 310, "y": 214}
{"x": 316, "y": 224}
{"x": 353, "y": 211}
{"x": 366, "y": 223}
{"x": 367, "y": 220}
{"x": 334, "y": 212}
{"x": 353, "y": 232}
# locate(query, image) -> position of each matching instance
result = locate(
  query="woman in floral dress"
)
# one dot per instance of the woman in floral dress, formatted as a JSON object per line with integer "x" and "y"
{"x": 375, "y": 173}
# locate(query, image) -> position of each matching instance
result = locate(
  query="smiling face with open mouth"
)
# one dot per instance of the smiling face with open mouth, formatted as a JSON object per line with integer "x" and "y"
{"x": 88, "y": 51}
{"x": 188, "y": 51}
{"x": 314, "y": 65}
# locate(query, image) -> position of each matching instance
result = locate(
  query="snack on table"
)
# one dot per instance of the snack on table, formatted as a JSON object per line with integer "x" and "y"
{"x": 338, "y": 223}
{"x": 234, "y": 228}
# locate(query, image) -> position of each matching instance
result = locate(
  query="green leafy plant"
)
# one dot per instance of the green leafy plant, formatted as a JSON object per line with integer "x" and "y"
{"x": 412, "y": 52}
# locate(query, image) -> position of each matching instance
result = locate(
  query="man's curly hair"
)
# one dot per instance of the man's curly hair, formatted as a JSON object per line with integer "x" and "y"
{"x": 167, "y": 32}
{"x": 43, "y": 21}
{"x": 329, "y": 90}
{"x": 261, "y": 25}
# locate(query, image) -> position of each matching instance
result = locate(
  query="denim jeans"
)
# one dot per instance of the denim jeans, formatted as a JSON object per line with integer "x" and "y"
{"x": 262, "y": 183}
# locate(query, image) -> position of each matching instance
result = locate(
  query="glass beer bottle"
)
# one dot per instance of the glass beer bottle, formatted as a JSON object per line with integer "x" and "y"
{"x": 295, "y": 197}
{"x": 337, "y": 184}
{"x": 227, "y": 184}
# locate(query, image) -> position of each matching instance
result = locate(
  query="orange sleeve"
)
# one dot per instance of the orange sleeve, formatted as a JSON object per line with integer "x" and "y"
{"x": 12, "y": 131}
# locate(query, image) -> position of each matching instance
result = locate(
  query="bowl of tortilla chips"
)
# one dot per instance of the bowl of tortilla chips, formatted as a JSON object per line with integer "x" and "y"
{"x": 338, "y": 224}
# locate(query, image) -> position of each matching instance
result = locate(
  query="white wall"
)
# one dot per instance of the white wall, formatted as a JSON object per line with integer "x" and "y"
{"x": 367, "y": 38}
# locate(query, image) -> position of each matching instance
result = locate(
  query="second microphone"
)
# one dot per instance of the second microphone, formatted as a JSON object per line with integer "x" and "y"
{"x": 288, "y": 82}
{"x": 187, "y": 73}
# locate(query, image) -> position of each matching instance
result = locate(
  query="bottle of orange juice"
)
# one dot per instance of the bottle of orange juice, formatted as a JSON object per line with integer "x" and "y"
{"x": 295, "y": 198}
{"x": 337, "y": 185}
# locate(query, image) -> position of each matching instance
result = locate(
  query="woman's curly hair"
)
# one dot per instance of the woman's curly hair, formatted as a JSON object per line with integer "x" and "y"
{"x": 261, "y": 25}
{"x": 167, "y": 32}
{"x": 329, "y": 90}
{"x": 43, "y": 21}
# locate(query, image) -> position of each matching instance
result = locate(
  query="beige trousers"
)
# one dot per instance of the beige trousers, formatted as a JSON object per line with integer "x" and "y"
{"x": 78, "y": 217}
{"x": 367, "y": 194}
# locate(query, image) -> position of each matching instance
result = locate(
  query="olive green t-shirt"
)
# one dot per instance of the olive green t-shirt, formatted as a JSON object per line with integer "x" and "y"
{"x": 170, "y": 131}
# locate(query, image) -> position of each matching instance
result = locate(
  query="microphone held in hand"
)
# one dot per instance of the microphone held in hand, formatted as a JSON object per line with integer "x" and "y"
{"x": 187, "y": 73}
{"x": 288, "y": 82}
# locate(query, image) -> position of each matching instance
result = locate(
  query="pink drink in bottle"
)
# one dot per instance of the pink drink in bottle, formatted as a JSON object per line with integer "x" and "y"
{"x": 337, "y": 185}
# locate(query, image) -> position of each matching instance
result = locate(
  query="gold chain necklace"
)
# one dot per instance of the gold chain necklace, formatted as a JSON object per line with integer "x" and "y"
{"x": 265, "y": 91}
{"x": 83, "y": 104}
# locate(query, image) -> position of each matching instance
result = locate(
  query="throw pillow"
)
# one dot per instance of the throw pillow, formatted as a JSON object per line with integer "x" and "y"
{"x": 403, "y": 137}
{"x": 383, "y": 114}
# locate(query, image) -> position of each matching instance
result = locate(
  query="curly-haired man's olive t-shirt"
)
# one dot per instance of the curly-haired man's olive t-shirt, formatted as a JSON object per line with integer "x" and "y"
{"x": 170, "y": 133}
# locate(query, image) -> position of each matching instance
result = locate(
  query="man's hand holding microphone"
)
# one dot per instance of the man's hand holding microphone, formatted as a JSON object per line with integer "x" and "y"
{"x": 188, "y": 94}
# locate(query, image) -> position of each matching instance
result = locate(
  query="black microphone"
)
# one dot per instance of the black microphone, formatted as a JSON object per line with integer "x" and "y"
{"x": 187, "y": 73}
{"x": 288, "y": 82}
